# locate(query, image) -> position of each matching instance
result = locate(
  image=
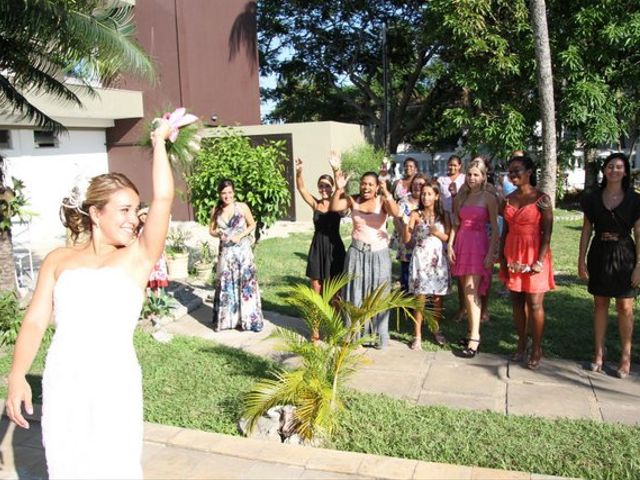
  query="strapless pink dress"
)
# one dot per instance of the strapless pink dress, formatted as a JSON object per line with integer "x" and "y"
{"x": 472, "y": 244}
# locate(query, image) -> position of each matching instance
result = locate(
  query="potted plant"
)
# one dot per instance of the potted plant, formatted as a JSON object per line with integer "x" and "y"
{"x": 204, "y": 265}
{"x": 177, "y": 254}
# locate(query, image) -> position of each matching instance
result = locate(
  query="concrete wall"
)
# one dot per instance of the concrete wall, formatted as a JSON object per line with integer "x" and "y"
{"x": 312, "y": 142}
{"x": 207, "y": 61}
{"x": 49, "y": 175}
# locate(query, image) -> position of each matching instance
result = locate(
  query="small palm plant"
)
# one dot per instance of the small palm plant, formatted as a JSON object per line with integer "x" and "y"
{"x": 316, "y": 386}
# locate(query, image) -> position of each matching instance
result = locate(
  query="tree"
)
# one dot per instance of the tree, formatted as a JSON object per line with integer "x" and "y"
{"x": 41, "y": 41}
{"x": 545, "y": 88}
{"x": 332, "y": 50}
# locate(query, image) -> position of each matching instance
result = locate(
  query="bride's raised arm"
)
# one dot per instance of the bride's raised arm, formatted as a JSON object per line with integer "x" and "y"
{"x": 154, "y": 234}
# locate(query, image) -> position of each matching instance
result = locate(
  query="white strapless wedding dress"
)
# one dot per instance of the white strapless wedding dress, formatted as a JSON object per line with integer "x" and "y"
{"x": 92, "y": 385}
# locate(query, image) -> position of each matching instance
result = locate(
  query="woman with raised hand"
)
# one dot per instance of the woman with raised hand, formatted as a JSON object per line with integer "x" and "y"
{"x": 326, "y": 253}
{"x": 471, "y": 252}
{"x": 92, "y": 389}
{"x": 525, "y": 260}
{"x": 612, "y": 265}
{"x": 428, "y": 229}
{"x": 368, "y": 260}
{"x": 236, "y": 297}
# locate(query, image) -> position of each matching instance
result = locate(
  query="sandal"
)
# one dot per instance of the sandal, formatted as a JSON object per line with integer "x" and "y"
{"x": 471, "y": 352}
{"x": 597, "y": 366}
{"x": 534, "y": 361}
{"x": 439, "y": 339}
{"x": 416, "y": 344}
{"x": 625, "y": 367}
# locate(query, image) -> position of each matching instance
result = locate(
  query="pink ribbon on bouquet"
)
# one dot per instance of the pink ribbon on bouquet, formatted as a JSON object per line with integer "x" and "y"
{"x": 177, "y": 119}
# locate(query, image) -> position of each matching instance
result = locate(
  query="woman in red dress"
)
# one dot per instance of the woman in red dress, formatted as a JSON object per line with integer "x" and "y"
{"x": 525, "y": 261}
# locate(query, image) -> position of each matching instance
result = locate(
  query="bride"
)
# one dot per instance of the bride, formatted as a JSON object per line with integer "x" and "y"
{"x": 92, "y": 389}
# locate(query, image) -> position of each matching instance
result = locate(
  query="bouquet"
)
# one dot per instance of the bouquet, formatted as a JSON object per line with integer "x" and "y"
{"x": 184, "y": 143}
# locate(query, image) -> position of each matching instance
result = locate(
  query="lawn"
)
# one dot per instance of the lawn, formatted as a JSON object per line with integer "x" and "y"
{"x": 197, "y": 384}
{"x": 568, "y": 331}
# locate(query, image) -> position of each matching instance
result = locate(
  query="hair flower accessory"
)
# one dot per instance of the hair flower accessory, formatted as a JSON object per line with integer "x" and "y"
{"x": 78, "y": 194}
{"x": 183, "y": 143}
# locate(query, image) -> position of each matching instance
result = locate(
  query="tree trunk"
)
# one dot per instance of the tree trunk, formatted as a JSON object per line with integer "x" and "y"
{"x": 7, "y": 264}
{"x": 590, "y": 169}
{"x": 545, "y": 87}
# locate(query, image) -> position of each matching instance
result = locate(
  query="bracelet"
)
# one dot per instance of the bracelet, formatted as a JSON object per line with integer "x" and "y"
{"x": 538, "y": 262}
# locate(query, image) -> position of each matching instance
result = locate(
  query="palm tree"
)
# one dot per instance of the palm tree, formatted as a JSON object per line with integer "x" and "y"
{"x": 315, "y": 388}
{"x": 43, "y": 40}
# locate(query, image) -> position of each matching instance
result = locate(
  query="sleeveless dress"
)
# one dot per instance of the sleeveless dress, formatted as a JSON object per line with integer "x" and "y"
{"x": 472, "y": 244}
{"x": 326, "y": 254}
{"x": 92, "y": 385}
{"x": 522, "y": 246}
{"x": 610, "y": 262}
{"x": 429, "y": 269}
{"x": 236, "y": 298}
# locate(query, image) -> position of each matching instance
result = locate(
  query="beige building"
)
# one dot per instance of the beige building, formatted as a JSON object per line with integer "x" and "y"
{"x": 311, "y": 142}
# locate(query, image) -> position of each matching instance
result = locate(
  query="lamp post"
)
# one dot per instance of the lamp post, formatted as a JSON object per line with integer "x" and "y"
{"x": 385, "y": 84}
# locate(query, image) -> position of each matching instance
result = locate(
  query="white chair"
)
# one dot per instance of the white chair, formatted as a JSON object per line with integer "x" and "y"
{"x": 22, "y": 254}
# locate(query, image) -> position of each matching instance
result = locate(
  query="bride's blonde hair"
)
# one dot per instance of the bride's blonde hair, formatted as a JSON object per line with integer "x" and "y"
{"x": 74, "y": 211}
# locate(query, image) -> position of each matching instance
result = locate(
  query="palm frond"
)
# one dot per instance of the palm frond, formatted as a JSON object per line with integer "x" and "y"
{"x": 268, "y": 393}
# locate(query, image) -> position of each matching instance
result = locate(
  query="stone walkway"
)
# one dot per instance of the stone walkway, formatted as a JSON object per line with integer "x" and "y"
{"x": 178, "y": 453}
{"x": 560, "y": 388}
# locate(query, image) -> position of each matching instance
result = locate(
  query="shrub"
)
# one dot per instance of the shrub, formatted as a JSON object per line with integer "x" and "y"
{"x": 361, "y": 159}
{"x": 257, "y": 172}
{"x": 10, "y": 318}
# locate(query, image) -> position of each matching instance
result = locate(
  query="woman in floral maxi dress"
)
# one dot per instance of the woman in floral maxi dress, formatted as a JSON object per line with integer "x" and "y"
{"x": 236, "y": 301}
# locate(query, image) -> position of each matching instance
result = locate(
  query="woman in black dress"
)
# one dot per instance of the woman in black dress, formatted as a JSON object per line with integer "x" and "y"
{"x": 326, "y": 254}
{"x": 613, "y": 263}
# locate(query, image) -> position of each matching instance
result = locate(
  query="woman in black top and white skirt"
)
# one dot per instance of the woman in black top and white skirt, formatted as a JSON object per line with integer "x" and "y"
{"x": 612, "y": 264}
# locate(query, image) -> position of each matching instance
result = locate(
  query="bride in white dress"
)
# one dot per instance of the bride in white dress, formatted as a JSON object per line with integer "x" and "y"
{"x": 92, "y": 389}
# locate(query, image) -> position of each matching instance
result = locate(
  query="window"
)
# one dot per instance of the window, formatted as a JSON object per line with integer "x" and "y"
{"x": 5, "y": 139}
{"x": 45, "y": 139}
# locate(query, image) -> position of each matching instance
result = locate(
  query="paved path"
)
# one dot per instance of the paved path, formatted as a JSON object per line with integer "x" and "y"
{"x": 560, "y": 388}
{"x": 172, "y": 452}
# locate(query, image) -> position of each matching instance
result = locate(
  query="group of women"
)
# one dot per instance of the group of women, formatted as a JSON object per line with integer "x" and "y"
{"x": 460, "y": 226}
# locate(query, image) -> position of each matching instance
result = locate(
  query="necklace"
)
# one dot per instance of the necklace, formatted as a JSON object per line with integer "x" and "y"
{"x": 611, "y": 200}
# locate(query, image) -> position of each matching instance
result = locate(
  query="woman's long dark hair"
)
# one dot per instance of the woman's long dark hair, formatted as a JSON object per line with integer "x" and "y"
{"x": 528, "y": 165}
{"x": 626, "y": 181}
{"x": 221, "y": 186}
{"x": 437, "y": 206}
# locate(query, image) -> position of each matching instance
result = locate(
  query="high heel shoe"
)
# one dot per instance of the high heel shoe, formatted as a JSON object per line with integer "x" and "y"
{"x": 596, "y": 367}
{"x": 534, "y": 361}
{"x": 469, "y": 352}
{"x": 625, "y": 367}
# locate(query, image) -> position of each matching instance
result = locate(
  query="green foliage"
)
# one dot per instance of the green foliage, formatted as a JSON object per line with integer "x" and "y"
{"x": 257, "y": 173}
{"x": 177, "y": 241}
{"x": 316, "y": 387}
{"x": 10, "y": 318}
{"x": 205, "y": 252}
{"x": 12, "y": 203}
{"x": 157, "y": 305}
{"x": 361, "y": 159}
{"x": 42, "y": 40}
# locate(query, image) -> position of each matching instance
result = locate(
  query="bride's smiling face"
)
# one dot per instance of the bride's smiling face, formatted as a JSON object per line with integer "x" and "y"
{"x": 118, "y": 220}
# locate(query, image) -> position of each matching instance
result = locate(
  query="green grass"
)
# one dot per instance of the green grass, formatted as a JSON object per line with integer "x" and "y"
{"x": 577, "y": 448}
{"x": 194, "y": 383}
{"x": 568, "y": 331}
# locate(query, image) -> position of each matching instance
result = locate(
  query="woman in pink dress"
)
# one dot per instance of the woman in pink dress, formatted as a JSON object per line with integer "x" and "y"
{"x": 525, "y": 261}
{"x": 471, "y": 252}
